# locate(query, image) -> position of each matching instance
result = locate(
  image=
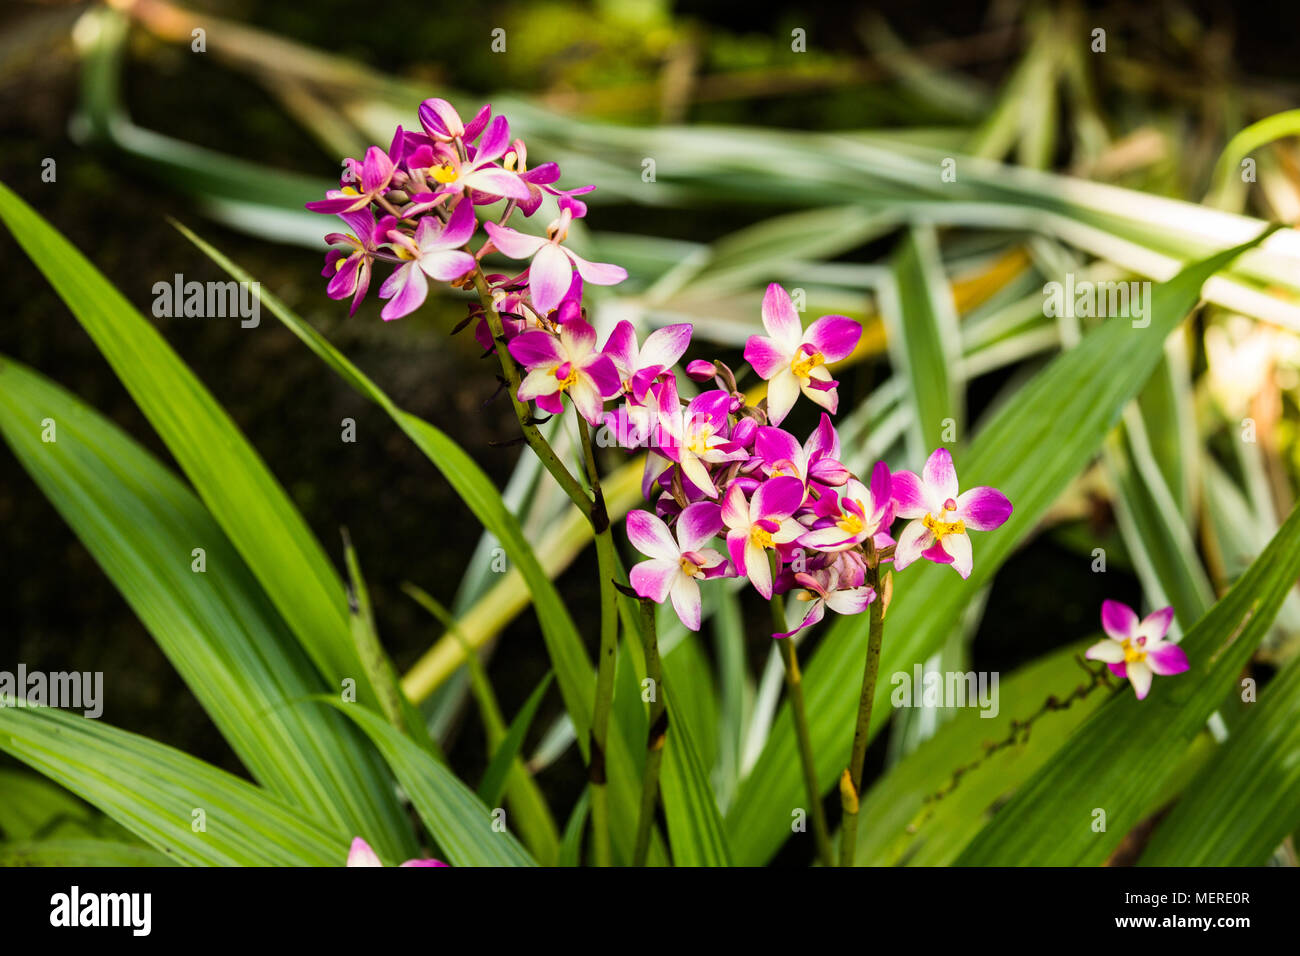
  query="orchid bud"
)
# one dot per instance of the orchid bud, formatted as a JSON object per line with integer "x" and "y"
{"x": 744, "y": 432}
{"x": 700, "y": 371}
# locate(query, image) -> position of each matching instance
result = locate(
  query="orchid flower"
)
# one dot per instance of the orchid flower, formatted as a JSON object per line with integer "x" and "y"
{"x": 821, "y": 590}
{"x": 847, "y": 517}
{"x": 442, "y": 123}
{"x": 349, "y": 270}
{"x": 675, "y": 566}
{"x": 516, "y": 161}
{"x": 361, "y": 855}
{"x": 942, "y": 515}
{"x": 793, "y": 359}
{"x": 436, "y": 252}
{"x": 638, "y": 366}
{"x": 375, "y": 174}
{"x": 454, "y": 174}
{"x": 552, "y": 267}
{"x": 1137, "y": 649}
{"x": 696, "y": 436}
{"x": 758, "y": 525}
{"x": 565, "y": 363}
{"x": 814, "y": 460}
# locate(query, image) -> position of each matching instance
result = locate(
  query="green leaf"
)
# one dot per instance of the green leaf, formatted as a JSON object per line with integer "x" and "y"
{"x": 79, "y": 853}
{"x": 456, "y": 818}
{"x": 32, "y": 807}
{"x": 924, "y": 340}
{"x": 154, "y": 791}
{"x": 527, "y": 804}
{"x": 695, "y": 831}
{"x": 1155, "y": 534}
{"x": 900, "y": 826}
{"x": 1030, "y": 450}
{"x": 400, "y": 712}
{"x": 1119, "y": 759}
{"x": 493, "y": 784}
{"x": 217, "y": 628}
{"x": 573, "y": 671}
{"x": 1246, "y": 799}
{"x": 229, "y": 476}
{"x": 571, "y": 847}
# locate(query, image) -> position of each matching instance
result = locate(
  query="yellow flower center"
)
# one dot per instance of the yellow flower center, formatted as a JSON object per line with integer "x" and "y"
{"x": 699, "y": 442}
{"x": 940, "y": 529}
{"x": 349, "y": 191}
{"x": 802, "y": 364}
{"x": 760, "y": 537}
{"x": 446, "y": 173}
{"x": 850, "y": 523}
{"x": 1132, "y": 653}
{"x": 570, "y": 379}
{"x": 689, "y": 568}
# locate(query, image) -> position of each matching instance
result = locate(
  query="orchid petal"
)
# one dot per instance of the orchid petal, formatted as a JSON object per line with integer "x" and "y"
{"x": 834, "y": 336}
{"x": 983, "y": 509}
{"x": 549, "y": 277}
{"x": 940, "y": 478}
{"x": 1118, "y": 620}
{"x": 780, "y": 319}
{"x": 654, "y": 579}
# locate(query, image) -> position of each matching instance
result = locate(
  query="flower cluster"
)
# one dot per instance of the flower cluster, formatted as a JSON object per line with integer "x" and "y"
{"x": 731, "y": 492}
{"x": 414, "y": 206}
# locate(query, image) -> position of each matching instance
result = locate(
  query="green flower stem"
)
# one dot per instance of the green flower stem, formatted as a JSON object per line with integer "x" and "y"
{"x": 798, "y": 710}
{"x": 607, "y": 562}
{"x": 536, "y": 441}
{"x": 654, "y": 748}
{"x": 593, "y": 507}
{"x": 851, "y": 780}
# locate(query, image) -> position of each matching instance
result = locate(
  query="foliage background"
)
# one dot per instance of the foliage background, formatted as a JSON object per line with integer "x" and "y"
{"x": 622, "y": 62}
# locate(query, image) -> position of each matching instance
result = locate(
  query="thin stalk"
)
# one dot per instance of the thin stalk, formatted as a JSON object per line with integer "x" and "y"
{"x": 593, "y": 508}
{"x": 607, "y": 562}
{"x": 851, "y": 780}
{"x": 536, "y": 441}
{"x": 654, "y": 747}
{"x": 799, "y": 712}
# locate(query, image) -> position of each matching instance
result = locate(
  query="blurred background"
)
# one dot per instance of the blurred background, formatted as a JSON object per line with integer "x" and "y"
{"x": 144, "y": 127}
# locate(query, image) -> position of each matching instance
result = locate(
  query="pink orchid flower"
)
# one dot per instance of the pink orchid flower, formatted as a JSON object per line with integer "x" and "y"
{"x": 758, "y": 525}
{"x": 349, "y": 269}
{"x": 567, "y": 363}
{"x": 823, "y": 590}
{"x": 696, "y": 436}
{"x": 847, "y": 517}
{"x": 676, "y": 566}
{"x": 1137, "y": 649}
{"x": 436, "y": 252}
{"x": 375, "y": 174}
{"x": 813, "y": 461}
{"x": 793, "y": 359}
{"x": 452, "y": 174}
{"x": 362, "y": 855}
{"x": 552, "y": 267}
{"x": 942, "y": 515}
{"x": 639, "y": 365}
{"x": 516, "y": 161}
{"x": 441, "y": 121}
